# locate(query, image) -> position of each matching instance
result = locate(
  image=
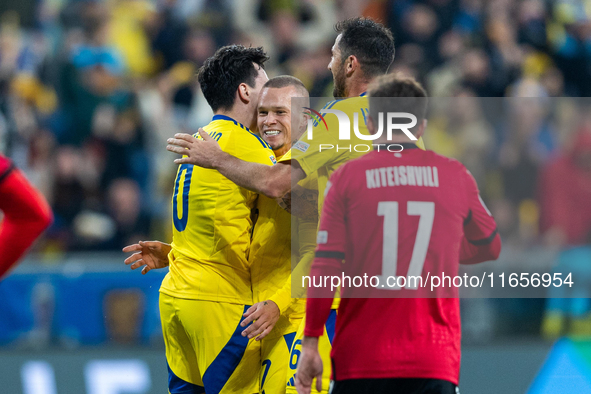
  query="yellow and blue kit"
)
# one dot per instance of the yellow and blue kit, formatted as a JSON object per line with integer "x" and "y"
{"x": 208, "y": 286}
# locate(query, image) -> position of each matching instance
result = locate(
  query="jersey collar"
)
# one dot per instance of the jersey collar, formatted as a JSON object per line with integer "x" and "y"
{"x": 224, "y": 117}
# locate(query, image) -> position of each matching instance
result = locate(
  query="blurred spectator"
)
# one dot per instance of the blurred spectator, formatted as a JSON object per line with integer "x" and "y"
{"x": 565, "y": 192}
{"x": 91, "y": 90}
{"x": 131, "y": 222}
{"x": 528, "y": 140}
{"x": 463, "y": 133}
{"x": 92, "y": 76}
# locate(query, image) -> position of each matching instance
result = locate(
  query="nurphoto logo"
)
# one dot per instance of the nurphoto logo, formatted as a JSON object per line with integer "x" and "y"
{"x": 391, "y": 123}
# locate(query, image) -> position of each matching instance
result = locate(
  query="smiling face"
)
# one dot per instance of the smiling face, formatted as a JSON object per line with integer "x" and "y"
{"x": 274, "y": 117}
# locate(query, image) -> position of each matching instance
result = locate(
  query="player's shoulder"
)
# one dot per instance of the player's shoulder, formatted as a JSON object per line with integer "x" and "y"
{"x": 445, "y": 161}
{"x": 225, "y": 129}
{"x": 253, "y": 139}
{"x": 449, "y": 168}
{"x": 349, "y": 103}
{"x": 351, "y": 168}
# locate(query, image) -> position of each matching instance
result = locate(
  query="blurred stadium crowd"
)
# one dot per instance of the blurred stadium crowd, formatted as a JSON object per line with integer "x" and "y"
{"x": 91, "y": 89}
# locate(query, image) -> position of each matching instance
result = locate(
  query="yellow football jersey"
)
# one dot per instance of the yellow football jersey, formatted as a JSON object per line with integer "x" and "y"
{"x": 312, "y": 158}
{"x": 212, "y": 222}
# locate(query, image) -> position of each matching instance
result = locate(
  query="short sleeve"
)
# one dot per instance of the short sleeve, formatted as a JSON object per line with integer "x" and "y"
{"x": 252, "y": 148}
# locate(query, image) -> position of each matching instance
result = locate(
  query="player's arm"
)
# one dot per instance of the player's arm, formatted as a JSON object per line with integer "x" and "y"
{"x": 26, "y": 215}
{"x": 305, "y": 203}
{"x": 272, "y": 181}
{"x": 481, "y": 240}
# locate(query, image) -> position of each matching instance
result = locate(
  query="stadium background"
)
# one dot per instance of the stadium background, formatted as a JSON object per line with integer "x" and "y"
{"x": 88, "y": 127}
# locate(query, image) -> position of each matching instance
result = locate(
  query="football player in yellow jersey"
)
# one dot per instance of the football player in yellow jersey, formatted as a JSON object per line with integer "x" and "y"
{"x": 208, "y": 287}
{"x": 363, "y": 50}
{"x": 275, "y": 315}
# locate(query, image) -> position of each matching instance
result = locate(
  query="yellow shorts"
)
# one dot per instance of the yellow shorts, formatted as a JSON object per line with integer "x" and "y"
{"x": 204, "y": 349}
{"x": 275, "y": 349}
{"x": 324, "y": 347}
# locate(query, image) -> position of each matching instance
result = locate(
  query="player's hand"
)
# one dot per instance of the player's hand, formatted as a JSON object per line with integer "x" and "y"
{"x": 150, "y": 254}
{"x": 309, "y": 367}
{"x": 202, "y": 153}
{"x": 264, "y": 314}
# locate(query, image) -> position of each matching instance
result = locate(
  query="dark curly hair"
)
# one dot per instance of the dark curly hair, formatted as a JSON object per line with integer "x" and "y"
{"x": 369, "y": 41}
{"x": 222, "y": 73}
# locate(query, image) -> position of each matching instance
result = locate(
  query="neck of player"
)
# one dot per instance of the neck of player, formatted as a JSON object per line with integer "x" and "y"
{"x": 240, "y": 114}
{"x": 357, "y": 87}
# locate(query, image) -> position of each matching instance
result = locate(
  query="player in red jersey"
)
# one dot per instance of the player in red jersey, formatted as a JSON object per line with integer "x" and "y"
{"x": 26, "y": 214}
{"x": 378, "y": 221}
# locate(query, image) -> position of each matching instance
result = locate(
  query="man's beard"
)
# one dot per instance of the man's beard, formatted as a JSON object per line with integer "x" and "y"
{"x": 338, "y": 90}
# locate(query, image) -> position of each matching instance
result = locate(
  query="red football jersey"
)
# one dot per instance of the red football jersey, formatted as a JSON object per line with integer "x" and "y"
{"x": 398, "y": 214}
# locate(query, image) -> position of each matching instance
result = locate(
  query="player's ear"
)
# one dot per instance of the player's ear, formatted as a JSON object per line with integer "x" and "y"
{"x": 244, "y": 93}
{"x": 351, "y": 65}
{"x": 421, "y": 128}
{"x": 305, "y": 116}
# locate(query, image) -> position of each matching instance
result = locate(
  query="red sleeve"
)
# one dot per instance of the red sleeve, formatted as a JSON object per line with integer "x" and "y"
{"x": 330, "y": 253}
{"x": 26, "y": 215}
{"x": 481, "y": 239}
{"x": 6, "y": 167}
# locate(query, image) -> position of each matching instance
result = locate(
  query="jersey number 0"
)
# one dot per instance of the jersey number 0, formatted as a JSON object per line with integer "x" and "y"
{"x": 181, "y": 223}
